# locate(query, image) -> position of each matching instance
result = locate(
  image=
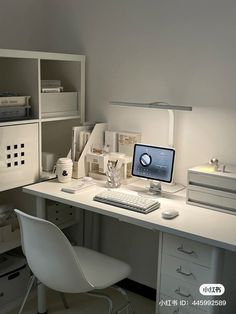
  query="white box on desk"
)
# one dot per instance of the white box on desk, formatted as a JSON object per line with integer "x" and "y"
{"x": 96, "y": 138}
{"x": 126, "y": 142}
{"x": 111, "y": 140}
{"x": 212, "y": 189}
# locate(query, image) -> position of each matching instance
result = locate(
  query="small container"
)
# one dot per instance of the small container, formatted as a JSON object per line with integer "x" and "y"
{"x": 113, "y": 175}
{"x": 48, "y": 161}
{"x": 64, "y": 169}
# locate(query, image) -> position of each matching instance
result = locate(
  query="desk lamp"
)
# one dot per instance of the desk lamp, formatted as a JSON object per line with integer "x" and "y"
{"x": 158, "y": 105}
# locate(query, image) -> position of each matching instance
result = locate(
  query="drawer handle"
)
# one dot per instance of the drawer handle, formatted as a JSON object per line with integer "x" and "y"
{"x": 182, "y": 294}
{"x": 180, "y": 271}
{"x": 182, "y": 250}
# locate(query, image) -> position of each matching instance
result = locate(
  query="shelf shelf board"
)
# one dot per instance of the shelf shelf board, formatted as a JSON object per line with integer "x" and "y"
{"x": 7, "y": 246}
{"x": 6, "y": 123}
{"x": 46, "y": 175}
{"x": 10, "y": 53}
{"x": 60, "y": 118}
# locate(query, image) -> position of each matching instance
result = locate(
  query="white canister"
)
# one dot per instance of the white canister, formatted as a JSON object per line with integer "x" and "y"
{"x": 48, "y": 161}
{"x": 64, "y": 169}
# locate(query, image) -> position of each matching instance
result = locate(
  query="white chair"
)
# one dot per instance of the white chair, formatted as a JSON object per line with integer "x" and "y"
{"x": 66, "y": 268}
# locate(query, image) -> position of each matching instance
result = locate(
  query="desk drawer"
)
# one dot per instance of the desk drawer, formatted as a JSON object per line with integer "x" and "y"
{"x": 212, "y": 199}
{"x": 219, "y": 183}
{"x": 181, "y": 290}
{"x": 185, "y": 270}
{"x": 60, "y": 213}
{"x": 187, "y": 249}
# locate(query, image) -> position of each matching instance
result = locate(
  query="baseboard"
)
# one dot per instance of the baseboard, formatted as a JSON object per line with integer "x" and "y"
{"x": 138, "y": 288}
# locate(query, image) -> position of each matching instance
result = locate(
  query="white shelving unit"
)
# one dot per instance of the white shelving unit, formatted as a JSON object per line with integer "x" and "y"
{"x": 22, "y": 72}
{"x": 51, "y": 114}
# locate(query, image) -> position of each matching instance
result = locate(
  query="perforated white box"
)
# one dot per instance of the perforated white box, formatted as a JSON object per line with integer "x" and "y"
{"x": 19, "y": 153}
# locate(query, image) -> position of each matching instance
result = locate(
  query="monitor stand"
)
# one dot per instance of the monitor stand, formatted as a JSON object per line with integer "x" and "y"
{"x": 157, "y": 189}
{"x": 152, "y": 190}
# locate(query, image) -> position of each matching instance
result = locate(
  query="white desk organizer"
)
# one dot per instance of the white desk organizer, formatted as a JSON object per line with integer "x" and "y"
{"x": 96, "y": 137}
{"x": 212, "y": 189}
{"x": 102, "y": 160}
{"x": 18, "y": 155}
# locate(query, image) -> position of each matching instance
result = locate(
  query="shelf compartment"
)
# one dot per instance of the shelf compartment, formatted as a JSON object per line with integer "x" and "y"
{"x": 21, "y": 76}
{"x": 59, "y": 104}
{"x": 9, "y": 113}
{"x": 8, "y": 235}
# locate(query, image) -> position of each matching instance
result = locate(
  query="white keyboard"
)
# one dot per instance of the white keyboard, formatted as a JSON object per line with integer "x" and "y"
{"x": 128, "y": 201}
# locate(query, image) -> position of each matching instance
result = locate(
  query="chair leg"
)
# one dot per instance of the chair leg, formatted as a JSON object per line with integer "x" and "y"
{"x": 128, "y": 307}
{"x": 103, "y": 296}
{"x": 64, "y": 301}
{"x": 30, "y": 285}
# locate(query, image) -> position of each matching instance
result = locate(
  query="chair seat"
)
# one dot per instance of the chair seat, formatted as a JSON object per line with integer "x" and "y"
{"x": 101, "y": 270}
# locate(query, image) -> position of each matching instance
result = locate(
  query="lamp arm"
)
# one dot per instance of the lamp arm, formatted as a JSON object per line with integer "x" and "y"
{"x": 171, "y": 127}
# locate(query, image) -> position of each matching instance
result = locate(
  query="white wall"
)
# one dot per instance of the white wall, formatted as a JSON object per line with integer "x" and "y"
{"x": 23, "y": 24}
{"x": 180, "y": 51}
{"x": 177, "y": 51}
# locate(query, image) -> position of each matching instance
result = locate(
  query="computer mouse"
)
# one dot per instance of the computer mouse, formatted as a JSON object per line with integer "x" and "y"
{"x": 169, "y": 213}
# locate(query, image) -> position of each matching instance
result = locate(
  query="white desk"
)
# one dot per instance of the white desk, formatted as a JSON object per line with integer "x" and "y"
{"x": 200, "y": 224}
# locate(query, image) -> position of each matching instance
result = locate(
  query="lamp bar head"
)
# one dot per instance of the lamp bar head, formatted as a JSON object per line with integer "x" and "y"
{"x": 155, "y": 105}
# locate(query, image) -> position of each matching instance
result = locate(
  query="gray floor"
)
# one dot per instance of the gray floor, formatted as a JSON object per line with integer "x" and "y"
{"x": 84, "y": 304}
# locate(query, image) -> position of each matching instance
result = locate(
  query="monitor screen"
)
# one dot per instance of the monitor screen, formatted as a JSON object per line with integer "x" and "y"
{"x": 151, "y": 162}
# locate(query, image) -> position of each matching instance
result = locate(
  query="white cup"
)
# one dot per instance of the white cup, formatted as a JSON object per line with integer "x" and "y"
{"x": 48, "y": 161}
{"x": 64, "y": 169}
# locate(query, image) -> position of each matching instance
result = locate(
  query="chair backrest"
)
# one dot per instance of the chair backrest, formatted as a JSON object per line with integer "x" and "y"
{"x": 50, "y": 255}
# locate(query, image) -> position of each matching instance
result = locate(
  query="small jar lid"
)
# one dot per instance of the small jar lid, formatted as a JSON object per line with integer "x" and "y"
{"x": 64, "y": 161}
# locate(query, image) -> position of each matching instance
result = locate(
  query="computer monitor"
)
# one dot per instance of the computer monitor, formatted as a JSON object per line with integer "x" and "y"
{"x": 153, "y": 163}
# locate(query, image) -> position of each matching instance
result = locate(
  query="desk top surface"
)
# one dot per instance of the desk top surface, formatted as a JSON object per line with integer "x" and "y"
{"x": 196, "y": 223}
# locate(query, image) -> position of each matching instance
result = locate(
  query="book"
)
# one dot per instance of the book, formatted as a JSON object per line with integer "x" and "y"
{"x": 78, "y": 142}
{"x": 83, "y": 139}
{"x": 52, "y": 89}
{"x": 50, "y": 83}
{"x": 14, "y": 101}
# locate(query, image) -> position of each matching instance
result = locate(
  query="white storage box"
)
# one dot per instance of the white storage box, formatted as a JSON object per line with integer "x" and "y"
{"x": 18, "y": 155}
{"x": 212, "y": 189}
{"x": 59, "y": 104}
{"x": 14, "y": 277}
{"x": 14, "y": 107}
{"x": 9, "y": 113}
{"x": 126, "y": 142}
{"x": 14, "y": 101}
